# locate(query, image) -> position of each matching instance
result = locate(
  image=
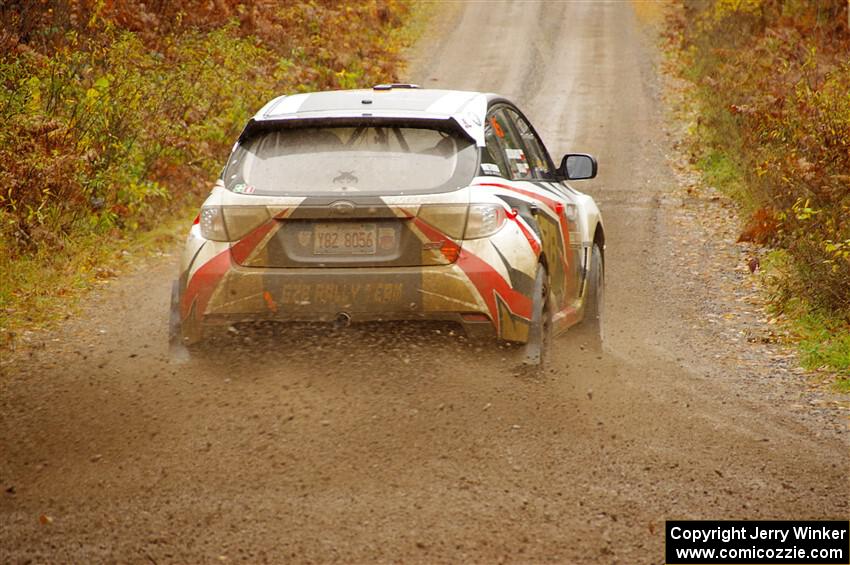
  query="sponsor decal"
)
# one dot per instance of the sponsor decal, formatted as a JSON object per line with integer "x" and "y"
{"x": 243, "y": 188}
{"x": 270, "y": 303}
{"x": 497, "y": 129}
{"x": 342, "y": 294}
{"x": 515, "y": 154}
{"x": 345, "y": 178}
{"x": 386, "y": 238}
{"x": 490, "y": 169}
{"x": 304, "y": 238}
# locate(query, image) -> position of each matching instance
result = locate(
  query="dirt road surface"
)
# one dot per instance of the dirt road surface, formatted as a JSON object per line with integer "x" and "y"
{"x": 379, "y": 445}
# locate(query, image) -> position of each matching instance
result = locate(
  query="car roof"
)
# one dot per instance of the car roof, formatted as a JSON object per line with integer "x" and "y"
{"x": 466, "y": 108}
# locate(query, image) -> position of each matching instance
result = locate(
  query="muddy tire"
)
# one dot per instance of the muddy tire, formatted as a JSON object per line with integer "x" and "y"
{"x": 536, "y": 350}
{"x": 591, "y": 330}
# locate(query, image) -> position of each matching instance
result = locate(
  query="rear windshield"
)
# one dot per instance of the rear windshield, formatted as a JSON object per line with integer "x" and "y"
{"x": 351, "y": 160}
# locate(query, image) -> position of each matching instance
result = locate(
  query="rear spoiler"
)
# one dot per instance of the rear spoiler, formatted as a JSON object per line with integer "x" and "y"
{"x": 448, "y": 125}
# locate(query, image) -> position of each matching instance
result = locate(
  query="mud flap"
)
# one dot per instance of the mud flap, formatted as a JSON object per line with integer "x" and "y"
{"x": 534, "y": 351}
{"x": 177, "y": 350}
{"x": 590, "y": 332}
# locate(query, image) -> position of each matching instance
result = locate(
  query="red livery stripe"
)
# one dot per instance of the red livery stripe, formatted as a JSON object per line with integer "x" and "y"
{"x": 532, "y": 241}
{"x": 203, "y": 283}
{"x": 556, "y": 207}
{"x": 485, "y": 278}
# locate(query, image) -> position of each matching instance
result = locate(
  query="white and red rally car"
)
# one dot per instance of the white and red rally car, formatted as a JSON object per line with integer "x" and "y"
{"x": 396, "y": 203}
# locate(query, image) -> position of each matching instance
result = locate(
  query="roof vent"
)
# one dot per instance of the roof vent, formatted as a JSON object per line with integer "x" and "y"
{"x": 395, "y": 85}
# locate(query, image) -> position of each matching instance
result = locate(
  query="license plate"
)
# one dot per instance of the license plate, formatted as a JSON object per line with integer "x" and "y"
{"x": 340, "y": 238}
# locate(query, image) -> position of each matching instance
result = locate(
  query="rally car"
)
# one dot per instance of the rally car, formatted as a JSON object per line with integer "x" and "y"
{"x": 396, "y": 203}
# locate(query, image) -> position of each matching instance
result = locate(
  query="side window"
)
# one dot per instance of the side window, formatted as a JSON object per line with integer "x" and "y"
{"x": 492, "y": 157}
{"x": 535, "y": 152}
{"x": 505, "y": 145}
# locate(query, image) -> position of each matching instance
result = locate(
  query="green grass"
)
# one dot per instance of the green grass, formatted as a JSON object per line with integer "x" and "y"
{"x": 822, "y": 338}
{"x": 721, "y": 171}
{"x": 37, "y": 291}
{"x": 824, "y": 342}
{"x": 420, "y": 16}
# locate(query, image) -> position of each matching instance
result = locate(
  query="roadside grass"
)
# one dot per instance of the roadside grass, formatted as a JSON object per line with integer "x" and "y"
{"x": 722, "y": 172}
{"x": 770, "y": 116}
{"x": 419, "y": 16}
{"x": 824, "y": 342}
{"x": 40, "y": 290}
{"x": 716, "y": 144}
{"x": 822, "y": 338}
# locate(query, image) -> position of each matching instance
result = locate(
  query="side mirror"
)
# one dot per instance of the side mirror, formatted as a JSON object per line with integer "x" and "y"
{"x": 578, "y": 166}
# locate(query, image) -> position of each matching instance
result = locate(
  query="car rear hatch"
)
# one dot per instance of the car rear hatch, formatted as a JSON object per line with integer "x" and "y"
{"x": 371, "y": 191}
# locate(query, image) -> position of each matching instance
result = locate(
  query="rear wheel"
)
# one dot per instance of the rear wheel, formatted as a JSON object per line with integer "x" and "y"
{"x": 591, "y": 329}
{"x": 536, "y": 349}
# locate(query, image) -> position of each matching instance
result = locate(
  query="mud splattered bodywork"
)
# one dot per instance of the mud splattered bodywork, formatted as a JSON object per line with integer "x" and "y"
{"x": 466, "y": 249}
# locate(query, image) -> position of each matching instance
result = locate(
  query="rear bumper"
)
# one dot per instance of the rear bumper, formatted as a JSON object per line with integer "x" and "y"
{"x": 232, "y": 293}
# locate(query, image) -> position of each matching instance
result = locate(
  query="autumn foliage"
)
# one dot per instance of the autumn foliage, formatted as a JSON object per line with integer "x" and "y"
{"x": 773, "y": 81}
{"x": 115, "y": 114}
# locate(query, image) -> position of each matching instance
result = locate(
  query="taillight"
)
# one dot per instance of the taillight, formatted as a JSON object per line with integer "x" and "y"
{"x": 484, "y": 220}
{"x": 212, "y": 223}
{"x": 448, "y": 222}
{"x": 242, "y": 220}
{"x": 450, "y": 219}
{"x": 230, "y": 223}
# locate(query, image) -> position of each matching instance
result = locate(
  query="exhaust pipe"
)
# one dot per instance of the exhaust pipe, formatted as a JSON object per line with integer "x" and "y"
{"x": 343, "y": 320}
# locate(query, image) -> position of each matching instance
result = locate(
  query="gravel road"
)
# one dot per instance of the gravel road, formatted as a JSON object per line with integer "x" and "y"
{"x": 410, "y": 444}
